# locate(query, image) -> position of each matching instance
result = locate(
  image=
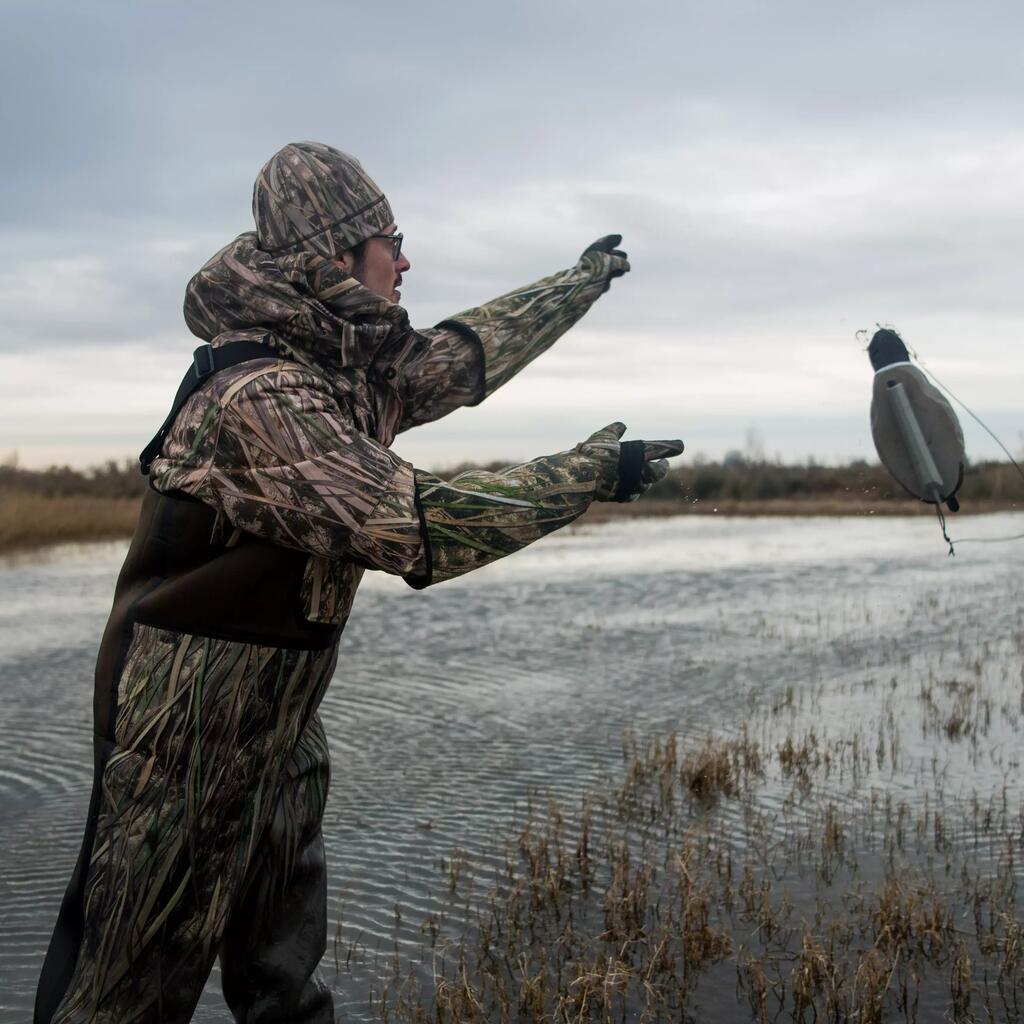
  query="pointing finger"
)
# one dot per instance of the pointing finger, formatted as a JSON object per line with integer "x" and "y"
{"x": 612, "y": 432}
{"x": 654, "y": 450}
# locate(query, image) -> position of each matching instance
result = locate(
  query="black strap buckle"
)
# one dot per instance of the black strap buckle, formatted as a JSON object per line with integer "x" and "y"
{"x": 202, "y": 361}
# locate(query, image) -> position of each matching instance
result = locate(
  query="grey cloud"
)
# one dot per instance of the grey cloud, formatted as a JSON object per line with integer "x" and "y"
{"x": 879, "y": 238}
{"x": 171, "y": 107}
{"x": 57, "y": 289}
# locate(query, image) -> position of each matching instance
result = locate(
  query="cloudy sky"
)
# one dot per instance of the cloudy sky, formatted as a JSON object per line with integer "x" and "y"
{"x": 784, "y": 173}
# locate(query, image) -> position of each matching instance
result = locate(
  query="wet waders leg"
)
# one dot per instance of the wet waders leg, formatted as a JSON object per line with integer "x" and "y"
{"x": 151, "y": 910}
{"x": 70, "y": 928}
{"x": 277, "y": 931}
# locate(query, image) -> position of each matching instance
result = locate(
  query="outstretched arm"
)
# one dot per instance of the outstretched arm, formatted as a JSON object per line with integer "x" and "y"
{"x": 480, "y": 349}
{"x": 278, "y": 458}
{"x": 479, "y": 517}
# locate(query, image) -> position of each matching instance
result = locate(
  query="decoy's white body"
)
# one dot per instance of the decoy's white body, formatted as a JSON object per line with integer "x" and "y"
{"x": 915, "y": 429}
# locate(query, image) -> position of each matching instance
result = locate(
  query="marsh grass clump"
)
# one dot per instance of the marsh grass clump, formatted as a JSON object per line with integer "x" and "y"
{"x": 798, "y": 758}
{"x": 721, "y": 768}
{"x": 911, "y": 918}
{"x": 643, "y": 904}
{"x": 836, "y": 860}
{"x": 957, "y": 709}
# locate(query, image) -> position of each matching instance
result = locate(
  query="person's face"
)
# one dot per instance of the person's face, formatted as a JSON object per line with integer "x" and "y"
{"x": 378, "y": 270}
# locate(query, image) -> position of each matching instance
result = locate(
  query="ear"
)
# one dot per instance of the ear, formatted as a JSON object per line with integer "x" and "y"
{"x": 346, "y": 261}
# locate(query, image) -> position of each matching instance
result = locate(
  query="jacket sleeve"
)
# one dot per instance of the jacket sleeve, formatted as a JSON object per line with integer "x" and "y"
{"x": 478, "y": 517}
{"x": 445, "y": 374}
{"x": 516, "y": 328}
{"x": 472, "y": 354}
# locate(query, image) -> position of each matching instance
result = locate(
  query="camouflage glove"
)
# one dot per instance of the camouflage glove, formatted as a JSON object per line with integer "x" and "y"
{"x": 625, "y": 469}
{"x": 604, "y": 255}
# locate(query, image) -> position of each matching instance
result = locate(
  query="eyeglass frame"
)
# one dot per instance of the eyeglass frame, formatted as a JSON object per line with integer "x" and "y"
{"x": 396, "y": 244}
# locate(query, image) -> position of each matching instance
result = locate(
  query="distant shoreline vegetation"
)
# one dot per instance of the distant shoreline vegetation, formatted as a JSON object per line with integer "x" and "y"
{"x": 62, "y": 505}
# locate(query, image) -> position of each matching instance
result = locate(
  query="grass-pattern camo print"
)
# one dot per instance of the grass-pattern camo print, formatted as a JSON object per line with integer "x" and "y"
{"x": 211, "y": 750}
{"x": 314, "y": 197}
{"x": 478, "y": 517}
{"x": 516, "y": 328}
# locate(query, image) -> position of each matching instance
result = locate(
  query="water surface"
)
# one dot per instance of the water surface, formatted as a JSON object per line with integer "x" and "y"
{"x": 450, "y": 705}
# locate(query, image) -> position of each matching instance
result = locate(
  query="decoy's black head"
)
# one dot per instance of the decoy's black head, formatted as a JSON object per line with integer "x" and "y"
{"x": 887, "y": 348}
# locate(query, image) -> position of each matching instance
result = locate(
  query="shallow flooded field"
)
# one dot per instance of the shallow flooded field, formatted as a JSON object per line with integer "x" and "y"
{"x": 819, "y": 719}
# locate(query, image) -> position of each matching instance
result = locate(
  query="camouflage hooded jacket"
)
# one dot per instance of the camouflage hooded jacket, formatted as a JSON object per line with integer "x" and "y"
{"x": 274, "y": 489}
{"x": 296, "y": 451}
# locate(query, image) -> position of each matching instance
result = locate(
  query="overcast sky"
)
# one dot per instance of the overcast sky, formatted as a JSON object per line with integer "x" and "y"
{"x": 783, "y": 174}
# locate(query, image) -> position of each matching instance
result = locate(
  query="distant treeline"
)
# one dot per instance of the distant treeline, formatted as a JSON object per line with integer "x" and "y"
{"x": 735, "y": 479}
{"x": 749, "y": 480}
{"x": 111, "y": 480}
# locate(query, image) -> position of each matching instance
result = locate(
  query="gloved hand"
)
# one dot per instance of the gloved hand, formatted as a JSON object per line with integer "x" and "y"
{"x": 614, "y": 262}
{"x": 625, "y": 469}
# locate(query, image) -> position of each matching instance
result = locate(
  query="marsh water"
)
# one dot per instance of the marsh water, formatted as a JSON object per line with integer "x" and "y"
{"x": 451, "y": 706}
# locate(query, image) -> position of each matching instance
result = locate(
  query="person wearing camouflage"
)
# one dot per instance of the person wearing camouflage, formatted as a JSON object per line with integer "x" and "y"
{"x": 272, "y": 489}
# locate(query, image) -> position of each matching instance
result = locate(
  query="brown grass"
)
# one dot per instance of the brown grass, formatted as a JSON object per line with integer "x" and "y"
{"x": 30, "y": 520}
{"x": 584, "y": 924}
{"x": 686, "y": 879}
{"x": 34, "y": 520}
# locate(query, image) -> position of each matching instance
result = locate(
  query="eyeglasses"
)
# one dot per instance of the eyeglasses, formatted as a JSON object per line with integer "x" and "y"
{"x": 396, "y": 244}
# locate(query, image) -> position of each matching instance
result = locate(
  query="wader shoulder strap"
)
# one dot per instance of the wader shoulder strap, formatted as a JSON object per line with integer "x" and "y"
{"x": 206, "y": 361}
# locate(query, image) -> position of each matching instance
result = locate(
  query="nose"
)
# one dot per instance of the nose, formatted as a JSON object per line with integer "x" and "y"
{"x": 403, "y": 264}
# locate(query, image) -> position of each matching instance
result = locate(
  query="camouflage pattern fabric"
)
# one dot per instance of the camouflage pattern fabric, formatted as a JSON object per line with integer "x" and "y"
{"x": 478, "y": 517}
{"x": 269, "y": 446}
{"x": 314, "y": 197}
{"x": 212, "y": 795}
{"x": 444, "y": 373}
{"x": 301, "y": 458}
{"x": 605, "y": 450}
{"x": 319, "y": 314}
{"x": 516, "y": 328}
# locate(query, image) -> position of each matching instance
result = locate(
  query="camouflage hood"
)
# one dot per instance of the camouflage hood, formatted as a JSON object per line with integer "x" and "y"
{"x": 300, "y": 302}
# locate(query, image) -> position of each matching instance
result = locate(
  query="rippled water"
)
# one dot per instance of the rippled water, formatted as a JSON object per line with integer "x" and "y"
{"x": 449, "y": 705}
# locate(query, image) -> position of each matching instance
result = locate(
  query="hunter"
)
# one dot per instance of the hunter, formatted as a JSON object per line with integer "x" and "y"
{"x": 272, "y": 488}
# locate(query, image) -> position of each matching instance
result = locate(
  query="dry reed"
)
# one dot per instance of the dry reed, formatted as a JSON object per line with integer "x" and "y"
{"x": 630, "y": 908}
{"x": 34, "y": 520}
